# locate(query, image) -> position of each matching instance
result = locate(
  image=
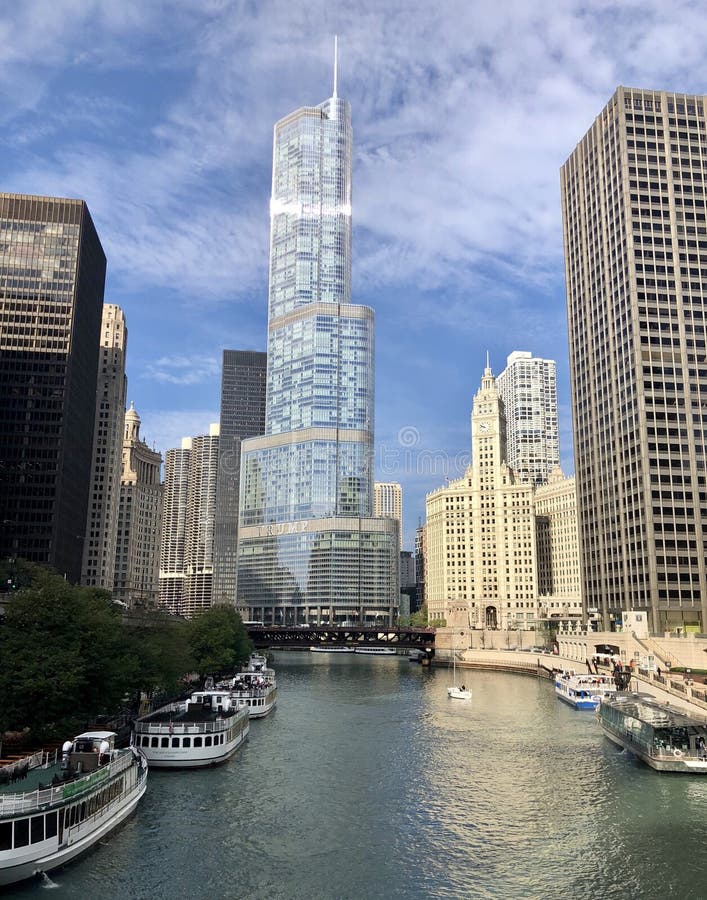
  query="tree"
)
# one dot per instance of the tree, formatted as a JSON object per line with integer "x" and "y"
{"x": 218, "y": 640}
{"x": 64, "y": 655}
{"x": 161, "y": 648}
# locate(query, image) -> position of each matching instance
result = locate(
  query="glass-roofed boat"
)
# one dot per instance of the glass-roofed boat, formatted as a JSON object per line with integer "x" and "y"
{"x": 662, "y": 737}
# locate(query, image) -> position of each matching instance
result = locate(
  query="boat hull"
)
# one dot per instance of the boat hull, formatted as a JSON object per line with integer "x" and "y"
{"x": 77, "y": 839}
{"x": 194, "y": 757}
{"x": 663, "y": 764}
{"x": 455, "y": 693}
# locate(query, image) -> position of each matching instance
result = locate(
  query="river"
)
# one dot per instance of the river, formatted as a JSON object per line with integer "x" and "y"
{"x": 368, "y": 782}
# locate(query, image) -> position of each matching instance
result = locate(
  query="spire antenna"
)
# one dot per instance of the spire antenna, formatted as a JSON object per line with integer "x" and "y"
{"x": 336, "y": 62}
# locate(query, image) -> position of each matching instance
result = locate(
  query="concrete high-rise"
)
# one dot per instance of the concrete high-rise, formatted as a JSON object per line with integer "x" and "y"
{"x": 189, "y": 517}
{"x": 52, "y": 275}
{"x": 388, "y": 501}
{"x": 634, "y": 208}
{"x": 98, "y": 568}
{"x": 137, "y": 555}
{"x": 242, "y": 416}
{"x": 308, "y": 546}
{"x": 528, "y": 388}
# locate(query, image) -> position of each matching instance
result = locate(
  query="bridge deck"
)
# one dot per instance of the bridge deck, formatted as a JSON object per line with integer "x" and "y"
{"x": 282, "y": 637}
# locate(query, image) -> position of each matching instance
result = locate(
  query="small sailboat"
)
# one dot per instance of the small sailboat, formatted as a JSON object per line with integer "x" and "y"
{"x": 456, "y": 692}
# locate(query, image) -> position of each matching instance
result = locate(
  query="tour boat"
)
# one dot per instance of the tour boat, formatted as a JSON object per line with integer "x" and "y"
{"x": 662, "y": 737}
{"x": 49, "y": 814}
{"x": 331, "y": 648}
{"x": 204, "y": 730}
{"x": 255, "y": 687}
{"x": 376, "y": 651}
{"x": 583, "y": 691}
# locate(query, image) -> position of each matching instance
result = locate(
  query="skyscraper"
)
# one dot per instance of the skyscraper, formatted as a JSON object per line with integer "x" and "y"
{"x": 98, "y": 567}
{"x": 309, "y": 548}
{"x": 388, "y": 501}
{"x": 52, "y": 274}
{"x": 137, "y": 556}
{"x": 188, "y": 517}
{"x": 242, "y": 416}
{"x": 635, "y": 254}
{"x": 528, "y": 388}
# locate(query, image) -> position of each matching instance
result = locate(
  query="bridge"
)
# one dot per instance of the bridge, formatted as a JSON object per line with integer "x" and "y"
{"x": 284, "y": 637}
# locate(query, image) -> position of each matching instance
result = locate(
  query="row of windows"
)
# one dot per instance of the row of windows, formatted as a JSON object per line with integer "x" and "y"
{"x": 185, "y": 742}
{"x": 35, "y": 829}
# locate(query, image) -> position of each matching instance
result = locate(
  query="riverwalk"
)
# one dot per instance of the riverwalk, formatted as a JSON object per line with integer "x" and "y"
{"x": 668, "y": 688}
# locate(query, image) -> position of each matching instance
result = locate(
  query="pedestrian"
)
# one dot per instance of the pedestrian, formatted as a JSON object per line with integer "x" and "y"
{"x": 658, "y": 671}
{"x": 700, "y": 747}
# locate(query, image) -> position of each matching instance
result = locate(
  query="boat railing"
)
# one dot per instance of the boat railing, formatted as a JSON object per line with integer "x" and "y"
{"x": 40, "y": 798}
{"x": 251, "y": 692}
{"x": 184, "y": 727}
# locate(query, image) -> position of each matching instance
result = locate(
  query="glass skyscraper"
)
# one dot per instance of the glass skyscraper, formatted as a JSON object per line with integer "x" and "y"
{"x": 309, "y": 549}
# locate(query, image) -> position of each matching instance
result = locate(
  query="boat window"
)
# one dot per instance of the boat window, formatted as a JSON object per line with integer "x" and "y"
{"x": 165, "y": 742}
{"x": 154, "y": 742}
{"x": 186, "y": 742}
{"x": 197, "y": 742}
{"x": 5, "y": 835}
{"x": 51, "y": 825}
{"x": 83, "y": 812}
{"x": 21, "y": 832}
{"x": 37, "y": 829}
{"x": 207, "y": 741}
{"x": 175, "y": 742}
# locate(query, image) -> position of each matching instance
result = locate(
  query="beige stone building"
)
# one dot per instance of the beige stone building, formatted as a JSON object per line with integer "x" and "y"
{"x": 480, "y": 532}
{"x": 139, "y": 520}
{"x": 559, "y": 574}
{"x": 98, "y": 567}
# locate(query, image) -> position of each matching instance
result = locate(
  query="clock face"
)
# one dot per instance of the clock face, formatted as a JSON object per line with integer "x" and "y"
{"x": 484, "y": 427}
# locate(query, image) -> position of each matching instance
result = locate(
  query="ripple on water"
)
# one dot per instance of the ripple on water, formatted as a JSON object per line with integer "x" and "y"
{"x": 368, "y": 782}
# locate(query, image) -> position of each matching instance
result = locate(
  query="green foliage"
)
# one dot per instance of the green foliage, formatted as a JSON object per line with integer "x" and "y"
{"x": 160, "y": 646}
{"x": 64, "y": 655}
{"x": 218, "y": 640}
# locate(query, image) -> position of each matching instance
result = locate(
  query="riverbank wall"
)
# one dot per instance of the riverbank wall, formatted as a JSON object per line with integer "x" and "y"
{"x": 677, "y": 690}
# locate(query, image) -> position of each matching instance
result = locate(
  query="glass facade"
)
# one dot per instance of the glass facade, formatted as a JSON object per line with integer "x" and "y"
{"x": 52, "y": 274}
{"x": 313, "y": 466}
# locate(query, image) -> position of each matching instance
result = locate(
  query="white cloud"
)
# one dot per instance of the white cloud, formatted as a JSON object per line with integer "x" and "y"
{"x": 164, "y": 429}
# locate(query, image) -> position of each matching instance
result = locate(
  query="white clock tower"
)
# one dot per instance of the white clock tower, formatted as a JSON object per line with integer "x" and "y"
{"x": 481, "y": 531}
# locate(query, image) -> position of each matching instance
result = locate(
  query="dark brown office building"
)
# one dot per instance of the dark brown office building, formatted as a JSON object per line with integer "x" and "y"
{"x": 52, "y": 275}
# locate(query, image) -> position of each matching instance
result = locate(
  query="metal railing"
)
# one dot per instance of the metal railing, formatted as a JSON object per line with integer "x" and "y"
{"x": 29, "y": 801}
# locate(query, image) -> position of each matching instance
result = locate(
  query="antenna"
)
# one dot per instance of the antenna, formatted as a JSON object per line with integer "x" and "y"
{"x": 488, "y": 363}
{"x": 336, "y": 61}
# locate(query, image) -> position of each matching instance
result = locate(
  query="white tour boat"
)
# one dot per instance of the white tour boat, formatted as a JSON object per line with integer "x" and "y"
{"x": 583, "y": 691}
{"x": 331, "y": 648}
{"x": 255, "y": 687}
{"x": 49, "y": 814}
{"x": 376, "y": 651}
{"x": 204, "y": 730}
{"x": 660, "y": 736}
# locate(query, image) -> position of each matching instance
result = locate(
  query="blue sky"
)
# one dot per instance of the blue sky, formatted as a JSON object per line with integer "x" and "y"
{"x": 160, "y": 115}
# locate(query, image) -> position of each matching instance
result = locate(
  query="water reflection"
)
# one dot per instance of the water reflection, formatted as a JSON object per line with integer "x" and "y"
{"x": 368, "y": 781}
